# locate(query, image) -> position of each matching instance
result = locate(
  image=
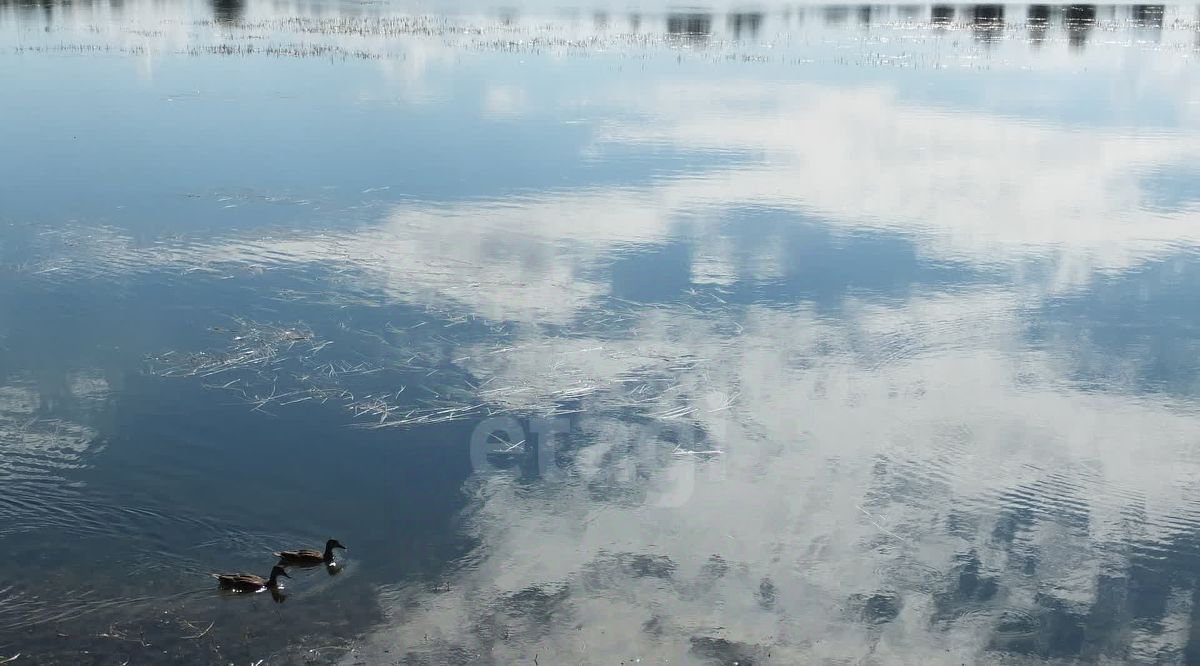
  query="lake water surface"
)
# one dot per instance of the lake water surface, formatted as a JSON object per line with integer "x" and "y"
{"x": 754, "y": 334}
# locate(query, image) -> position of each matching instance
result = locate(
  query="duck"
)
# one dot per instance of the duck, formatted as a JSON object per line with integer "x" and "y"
{"x": 311, "y": 557}
{"x": 250, "y": 583}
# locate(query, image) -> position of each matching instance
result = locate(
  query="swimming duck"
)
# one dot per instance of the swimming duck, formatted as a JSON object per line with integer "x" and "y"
{"x": 310, "y": 557}
{"x": 250, "y": 582}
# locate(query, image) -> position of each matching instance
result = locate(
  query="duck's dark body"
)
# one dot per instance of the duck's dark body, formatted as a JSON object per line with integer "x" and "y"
{"x": 308, "y": 557}
{"x": 249, "y": 582}
{"x": 302, "y": 556}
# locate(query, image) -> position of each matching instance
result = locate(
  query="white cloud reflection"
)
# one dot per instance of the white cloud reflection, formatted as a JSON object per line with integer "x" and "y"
{"x": 975, "y": 187}
{"x": 841, "y": 479}
{"x": 47, "y": 433}
{"x": 36, "y": 440}
{"x": 892, "y": 460}
{"x": 989, "y": 191}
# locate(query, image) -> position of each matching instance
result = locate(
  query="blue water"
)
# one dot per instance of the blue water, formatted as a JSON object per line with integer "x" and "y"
{"x": 599, "y": 334}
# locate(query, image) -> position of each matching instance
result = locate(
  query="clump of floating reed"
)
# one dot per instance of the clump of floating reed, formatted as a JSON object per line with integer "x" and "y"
{"x": 450, "y": 366}
{"x": 253, "y": 346}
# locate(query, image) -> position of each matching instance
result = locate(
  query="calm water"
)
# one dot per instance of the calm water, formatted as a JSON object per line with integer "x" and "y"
{"x": 600, "y": 332}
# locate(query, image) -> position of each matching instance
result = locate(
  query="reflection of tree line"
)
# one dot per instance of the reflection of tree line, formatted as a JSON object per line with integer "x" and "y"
{"x": 228, "y": 11}
{"x": 696, "y": 24}
{"x": 987, "y": 21}
{"x": 224, "y": 11}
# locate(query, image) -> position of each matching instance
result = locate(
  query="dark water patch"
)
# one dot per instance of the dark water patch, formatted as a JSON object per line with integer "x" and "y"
{"x": 767, "y": 594}
{"x": 611, "y": 569}
{"x": 967, "y": 588}
{"x": 536, "y": 605}
{"x": 875, "y": 608}
{"x": 724, "y": 651}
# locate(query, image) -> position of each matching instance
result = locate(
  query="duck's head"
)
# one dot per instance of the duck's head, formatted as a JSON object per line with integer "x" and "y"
{"x": 278, "y": 571}
{"x": 334, "y": 543}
